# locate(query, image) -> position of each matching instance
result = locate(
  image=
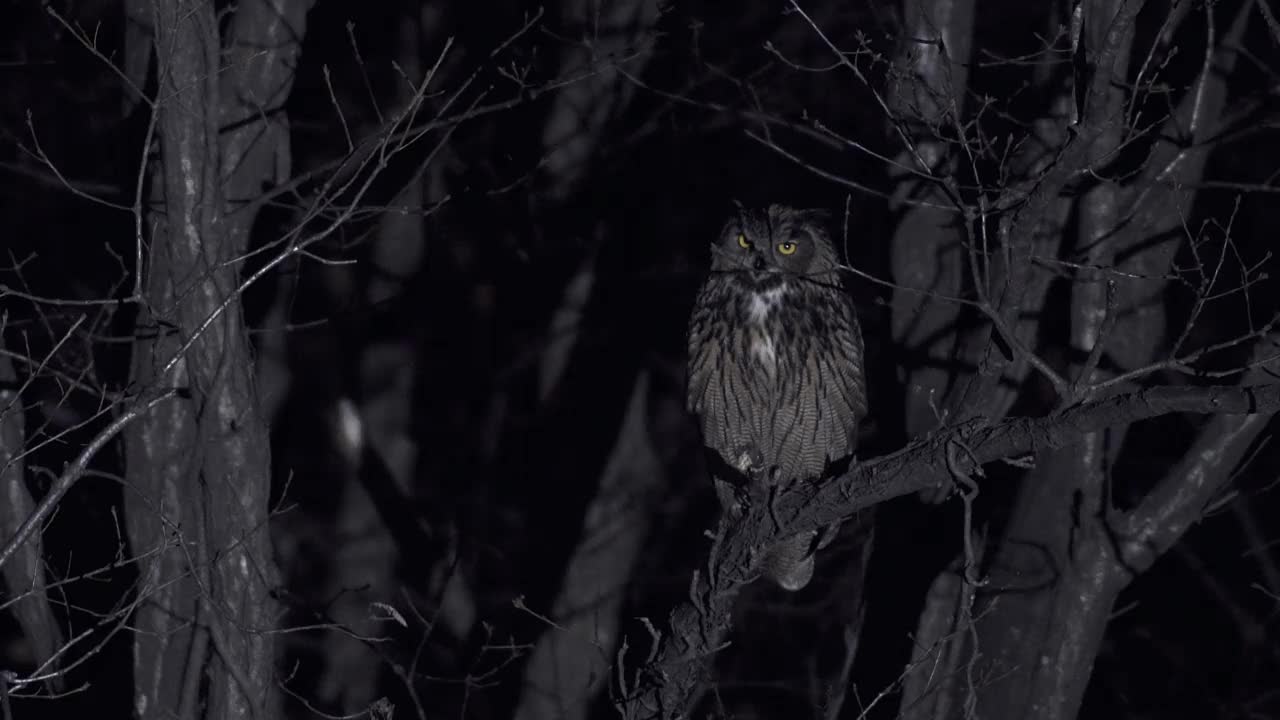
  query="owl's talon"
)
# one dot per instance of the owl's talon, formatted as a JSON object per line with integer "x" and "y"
{"x": 750, "y": 461}
{"x": 733, "y": 498}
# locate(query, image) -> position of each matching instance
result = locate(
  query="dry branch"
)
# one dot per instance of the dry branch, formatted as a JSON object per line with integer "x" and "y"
{"x": 697, "y": 629}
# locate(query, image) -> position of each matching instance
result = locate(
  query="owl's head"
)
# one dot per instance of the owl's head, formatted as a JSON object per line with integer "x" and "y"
{"x": 768, "y": 246}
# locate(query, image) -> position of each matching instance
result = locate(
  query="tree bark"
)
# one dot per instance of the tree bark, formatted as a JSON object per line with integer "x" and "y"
{"x": 200, "y": 469}
{"x": 927, "y": 252}
{"x": 162, "y": 498}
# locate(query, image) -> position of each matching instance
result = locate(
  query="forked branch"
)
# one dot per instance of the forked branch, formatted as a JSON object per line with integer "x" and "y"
{"x": 697, "y": 629}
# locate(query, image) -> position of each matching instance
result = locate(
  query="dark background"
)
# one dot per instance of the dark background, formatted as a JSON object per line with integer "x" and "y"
{"x": 503, "y": 477}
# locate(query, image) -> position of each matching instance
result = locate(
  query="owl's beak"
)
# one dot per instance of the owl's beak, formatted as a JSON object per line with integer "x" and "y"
{"x": 759, "y": 264}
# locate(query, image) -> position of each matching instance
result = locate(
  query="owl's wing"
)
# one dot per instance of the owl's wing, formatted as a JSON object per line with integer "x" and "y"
{"x": 848, "y": 380}
{"x": 702, "y": 349}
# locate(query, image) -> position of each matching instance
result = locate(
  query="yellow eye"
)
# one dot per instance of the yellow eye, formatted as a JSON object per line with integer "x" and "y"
{"x": 743, "y": 242}
{"x": 787, "y": 248}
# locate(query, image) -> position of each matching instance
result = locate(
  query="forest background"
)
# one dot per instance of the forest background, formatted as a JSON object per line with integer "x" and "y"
{"x": 343, "y": 358}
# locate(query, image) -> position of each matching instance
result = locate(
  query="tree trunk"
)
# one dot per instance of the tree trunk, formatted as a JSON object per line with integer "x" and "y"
{"x": 927, "y": 254}
{"x": 1055, "y": 573}
{"x": 200, "y": 467}
{"x": 24, "y": 582}
{"x": 571, "y": 660}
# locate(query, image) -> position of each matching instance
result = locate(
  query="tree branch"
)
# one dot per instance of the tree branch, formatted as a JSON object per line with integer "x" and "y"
{"x": 76, "y": 469}
{"x": 1179, "y": 500}
{"x": 698, "y": 627}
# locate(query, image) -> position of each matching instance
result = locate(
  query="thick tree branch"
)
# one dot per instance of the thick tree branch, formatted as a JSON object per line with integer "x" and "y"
{"x": 697, "y": 628}
{"x": 1179, "y": 500}
{"x": 923, "y": 463}
{"x": 1181, "y": 497}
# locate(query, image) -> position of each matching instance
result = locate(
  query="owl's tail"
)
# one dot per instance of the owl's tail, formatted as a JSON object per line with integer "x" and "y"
{"x": 790, "y": 562}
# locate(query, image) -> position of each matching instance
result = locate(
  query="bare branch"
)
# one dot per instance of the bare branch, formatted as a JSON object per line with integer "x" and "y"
{"x": 138, "y": 408}
{"x": 697, "y": 628}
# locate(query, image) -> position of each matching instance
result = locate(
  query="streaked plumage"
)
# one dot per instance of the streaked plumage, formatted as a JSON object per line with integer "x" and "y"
{"x": 775, "y": 361}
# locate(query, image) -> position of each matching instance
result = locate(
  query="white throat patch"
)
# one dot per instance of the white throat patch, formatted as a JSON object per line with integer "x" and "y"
{"x": 763, "y": 303}
{"x": 763, "y": 345}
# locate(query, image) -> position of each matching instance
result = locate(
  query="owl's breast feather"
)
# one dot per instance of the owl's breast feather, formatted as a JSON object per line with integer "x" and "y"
{"x": 763, "y": 304}
{"x": 762, "y": 307}
{"x": 763, "y": 347}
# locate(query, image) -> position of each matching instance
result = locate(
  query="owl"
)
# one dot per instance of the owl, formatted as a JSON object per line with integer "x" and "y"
{"x": 775, "y": 365}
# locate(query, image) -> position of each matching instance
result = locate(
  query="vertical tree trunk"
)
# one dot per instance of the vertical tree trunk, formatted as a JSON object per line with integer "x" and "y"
{"x": 927, "y": 255}
{"x": 24, "y": 583}
{"x": 571, "y": 661}
{"x": 200, "y": 467}
{"x": 163, "y": 497}
{"x": 1057, "y": 537}
{"x": 1055, "y": 575}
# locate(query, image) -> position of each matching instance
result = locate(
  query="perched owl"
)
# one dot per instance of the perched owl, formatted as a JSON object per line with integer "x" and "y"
{"x": 775, "y": 363}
